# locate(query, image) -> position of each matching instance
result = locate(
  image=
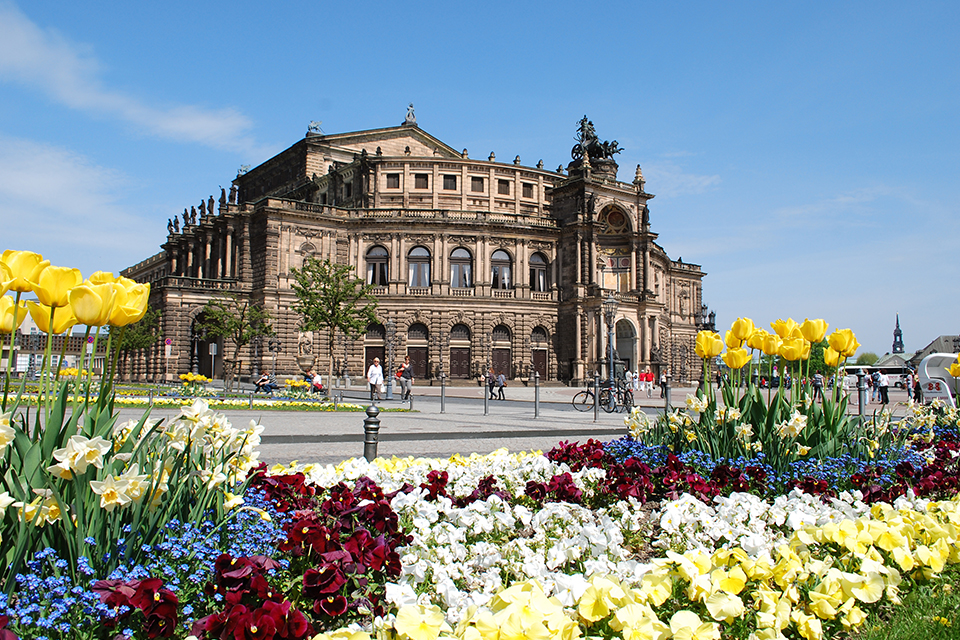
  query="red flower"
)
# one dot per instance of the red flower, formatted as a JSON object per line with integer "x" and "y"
{"x": 320, "y": 582}
{"x": 331, "y": 606}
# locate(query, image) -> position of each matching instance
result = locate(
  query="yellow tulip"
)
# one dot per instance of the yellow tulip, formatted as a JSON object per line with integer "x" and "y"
{"x": 786, "y": 328}
{"x": 63, "y": 317}
{"x": 955, "y": 370}
{"x": 6, "y": 276}
{"x": 25, "y": 268}
{"x": 805, "y": 355}
{"x": 9, "y": 321}
{"x": 844, "y": 341}
{"x": 732, "y": 341}
{"x": 813, "y": 330}
{"x": 93, "y": 303}
{"x": 130, "y": 303}
{"x": 709, "y": 344}
{"x": 53, "y": 285}
{"x": 742, "y": 328}
{"x": 792, "y": 348}
{"x": 102, "y": 277}
{"x": 831, "y": 357}
{"x": 736, "y": 358}
{"x": 755, "y": 339}
{"x": 771, "y": 344}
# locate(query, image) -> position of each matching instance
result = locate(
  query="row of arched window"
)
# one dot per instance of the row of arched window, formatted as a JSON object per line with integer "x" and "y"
{"x": 419, "y": 264}
{"x": 418, "y": 333}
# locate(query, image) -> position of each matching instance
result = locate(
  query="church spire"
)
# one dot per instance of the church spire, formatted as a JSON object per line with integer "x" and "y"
{"x": 897, "y": 338}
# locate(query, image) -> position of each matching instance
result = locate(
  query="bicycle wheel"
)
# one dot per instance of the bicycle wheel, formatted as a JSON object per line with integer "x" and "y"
{"x": 608, "y": 400}
{"x": 583, "y": 401}
{"x": 627, "y": 400}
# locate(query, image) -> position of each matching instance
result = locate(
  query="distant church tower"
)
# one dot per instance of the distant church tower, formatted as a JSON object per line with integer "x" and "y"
{"x": 898, "y": 337}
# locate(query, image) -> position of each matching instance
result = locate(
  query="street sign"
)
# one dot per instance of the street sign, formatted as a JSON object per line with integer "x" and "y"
{"x": 213, "y": 348}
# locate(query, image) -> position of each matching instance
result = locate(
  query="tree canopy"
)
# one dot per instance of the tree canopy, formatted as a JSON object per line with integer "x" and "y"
{"x": 237, "y": 322}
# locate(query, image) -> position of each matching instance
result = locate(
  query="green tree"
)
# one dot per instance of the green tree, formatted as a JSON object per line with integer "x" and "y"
{"x": 142, "y": 334}
{"x": 330, "y": 298}
{"x": 238, "y": 322}
{"x": 867, "y": 358}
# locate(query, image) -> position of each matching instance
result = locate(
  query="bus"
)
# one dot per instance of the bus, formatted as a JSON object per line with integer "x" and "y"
{"x": 897, "y": 375}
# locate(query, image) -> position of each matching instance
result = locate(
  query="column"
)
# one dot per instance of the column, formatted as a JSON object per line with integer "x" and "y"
{"x": 228, "y": 268}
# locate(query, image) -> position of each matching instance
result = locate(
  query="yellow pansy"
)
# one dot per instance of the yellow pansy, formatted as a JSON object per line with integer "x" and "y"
{"x": 419, "y": 622}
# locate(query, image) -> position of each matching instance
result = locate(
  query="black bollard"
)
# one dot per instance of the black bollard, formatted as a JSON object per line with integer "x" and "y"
{"x": 666, "y": 394}
{"x": 536, "y": 394}
{"x": 410, "y": 398}
{"x": 486, "y": 400}
{"x": 371, "y": 433}
{"x": 861, "y": 391}
{"x": 596, "y": 396}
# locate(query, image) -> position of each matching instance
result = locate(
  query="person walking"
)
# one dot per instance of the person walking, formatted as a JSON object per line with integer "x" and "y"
{"x": 884, "y": 384}
{"x": 491, "y": 381}
{"x": 375, "y": 379}
{"x": 663, "y": 382}
{"x": 501, "y": 383}
{"x": 818, "y": 386}
{"x": 628, "y": 379}
{"x": 874, "y": 386}
{"x": 648, "y": 382}
{"x": 406, "y": 378}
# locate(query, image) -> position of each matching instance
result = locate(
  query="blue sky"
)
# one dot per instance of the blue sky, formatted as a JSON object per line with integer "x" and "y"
{"x": 805, "y": 154}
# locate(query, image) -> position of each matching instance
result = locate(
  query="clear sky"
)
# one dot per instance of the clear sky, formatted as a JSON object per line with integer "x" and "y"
{"x": 805, "y": 154}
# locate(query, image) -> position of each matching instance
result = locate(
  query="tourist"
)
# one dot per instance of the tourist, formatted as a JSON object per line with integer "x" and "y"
{"x": 884, "y": 384}
{"x": 501, "y": 383}
{"x": 405, "y": 375}
{"x": 266, "y": 383}
{"x": 491, "y": 382}
{"x": 818, "y": 386}
{"x": 316, "y": 384}
{"x": 648, "y": 382}
{"x": 375, "y": 379}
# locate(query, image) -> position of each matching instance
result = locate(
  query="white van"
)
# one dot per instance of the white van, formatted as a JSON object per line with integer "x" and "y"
{"x": 935, "y": 378}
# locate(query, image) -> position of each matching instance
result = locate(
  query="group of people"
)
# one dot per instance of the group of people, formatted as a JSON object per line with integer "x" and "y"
{"x": 404, "y": 376}
{"x": 495, "y": 384}
{"x": 640, "y": 381}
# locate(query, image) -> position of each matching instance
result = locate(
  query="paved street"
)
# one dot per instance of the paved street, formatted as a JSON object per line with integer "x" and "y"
{"x": 328, "y": 437}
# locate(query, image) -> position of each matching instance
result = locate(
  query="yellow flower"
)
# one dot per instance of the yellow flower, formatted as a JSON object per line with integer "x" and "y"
{"x": 813, "y": 330}
{"x": 724, "y": 606}
{"x": 686, "y": 625}
{"x": 63, "y": 317}
{"x": 771, "y": 344}
{"x": 755, "y": 339}
{"x": 792, "y": 348}
{"x": 112, "y": 493}
{"x": 732, "y": 341}
{"x": 25, "y": 268}
{"x": 831, "y": 357}
{"x": 130, "y": 304}
{"x": 9, "y": 323}
{"x": 736, "y": 358}
{"x": 7, "y": 434}
{"x": 53, "y": 285}
{"x": 955, "y": 369}
{"x": 786, "y": 328}
{"x": 844, "y": 342}
{"x": 419, "y": 622}
{"x": 93, "y": 303}
{"x": 742, "y": 328}
{"x": 709, "y": 344}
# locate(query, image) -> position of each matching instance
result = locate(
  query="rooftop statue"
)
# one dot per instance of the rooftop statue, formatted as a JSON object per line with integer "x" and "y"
{"x": 590, "y": 145}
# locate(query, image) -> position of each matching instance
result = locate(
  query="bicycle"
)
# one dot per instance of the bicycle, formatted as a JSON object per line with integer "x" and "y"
{"x": 611, "y": 399}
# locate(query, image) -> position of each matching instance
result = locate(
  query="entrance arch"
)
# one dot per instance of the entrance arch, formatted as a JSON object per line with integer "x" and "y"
{"x": 626, "y": 343}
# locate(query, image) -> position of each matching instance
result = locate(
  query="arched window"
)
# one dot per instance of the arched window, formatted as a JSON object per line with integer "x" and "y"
{"x": 460, "y": 332}
{"x": 377, "y": 266}
{"x": 501, "y": 333}
{"x": 417, "y": 333}
{"x": 538, "y": 337}
{"x": 461, "y": 269}
{"x": 500, "y": 265}
{"x": 418, "y": 267}
{"x": 538, "y": 273}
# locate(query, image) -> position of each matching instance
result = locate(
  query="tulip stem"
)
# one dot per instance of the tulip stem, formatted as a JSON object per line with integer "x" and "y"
{"x": 45, "y": 372}
{"x": 13, "y": 331}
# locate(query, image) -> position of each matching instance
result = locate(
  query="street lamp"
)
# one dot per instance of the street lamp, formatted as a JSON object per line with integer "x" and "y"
{"x": 256, "y": 344}
{"x": 441, "y": 342}
{"x": 391, "y": 328}
{"x": 274, "y": 346}
{"x": 609, "y": 313}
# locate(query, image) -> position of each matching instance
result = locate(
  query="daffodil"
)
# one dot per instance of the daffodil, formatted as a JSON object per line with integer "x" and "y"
{"x": 112, "y": 492}
{"x": 53, "y": 285}
{"x": 813, "y": 330}
{"x": 24, "y": 269}
{"x": 10, "y": 321}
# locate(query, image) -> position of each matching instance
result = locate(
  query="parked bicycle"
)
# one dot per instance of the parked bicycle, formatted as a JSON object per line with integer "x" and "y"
{"x": 613, "y": 397}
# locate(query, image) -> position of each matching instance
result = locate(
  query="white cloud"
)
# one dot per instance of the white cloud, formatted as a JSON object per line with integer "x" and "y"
{"x": 667, "y": 179}
{"x": 62, "y": 205}
{"x": 69, "y": 74}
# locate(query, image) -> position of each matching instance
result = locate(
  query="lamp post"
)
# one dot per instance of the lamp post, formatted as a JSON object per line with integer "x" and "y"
{"x": 275, "y": 346}
{"x": 391, "y": 328}
{"x": 439, "y": 341}
{"x": 196, "y": 338}
{"x": 609, "y": 313}
{"x": 256, "y": 347}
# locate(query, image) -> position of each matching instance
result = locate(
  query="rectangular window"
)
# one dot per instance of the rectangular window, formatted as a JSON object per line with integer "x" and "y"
{"x": 419, "y": 276}
{"x": 476, "y": 184}
{"x": 503, "y": 187}
{"x": 421, "y": 181}
{"x": 527, "y": 190}
{"x": 347, "y": 189}
{"x": 393, "y": 181}
{"x": 460, "y": 276}
{"x": 450, "y": 183}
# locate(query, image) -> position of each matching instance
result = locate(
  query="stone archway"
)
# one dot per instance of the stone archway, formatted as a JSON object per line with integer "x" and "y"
{"x": 626, "y": 343}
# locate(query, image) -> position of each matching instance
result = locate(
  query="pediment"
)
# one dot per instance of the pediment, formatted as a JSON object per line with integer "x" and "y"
{"x": 392, "y": 141}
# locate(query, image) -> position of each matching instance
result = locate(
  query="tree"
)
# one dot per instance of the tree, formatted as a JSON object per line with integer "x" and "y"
{"x": 142, "y": 334}
{"x": 867, "y": 358}
{"x": 330, "y": 298}
{"x": 237, "y": 321}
